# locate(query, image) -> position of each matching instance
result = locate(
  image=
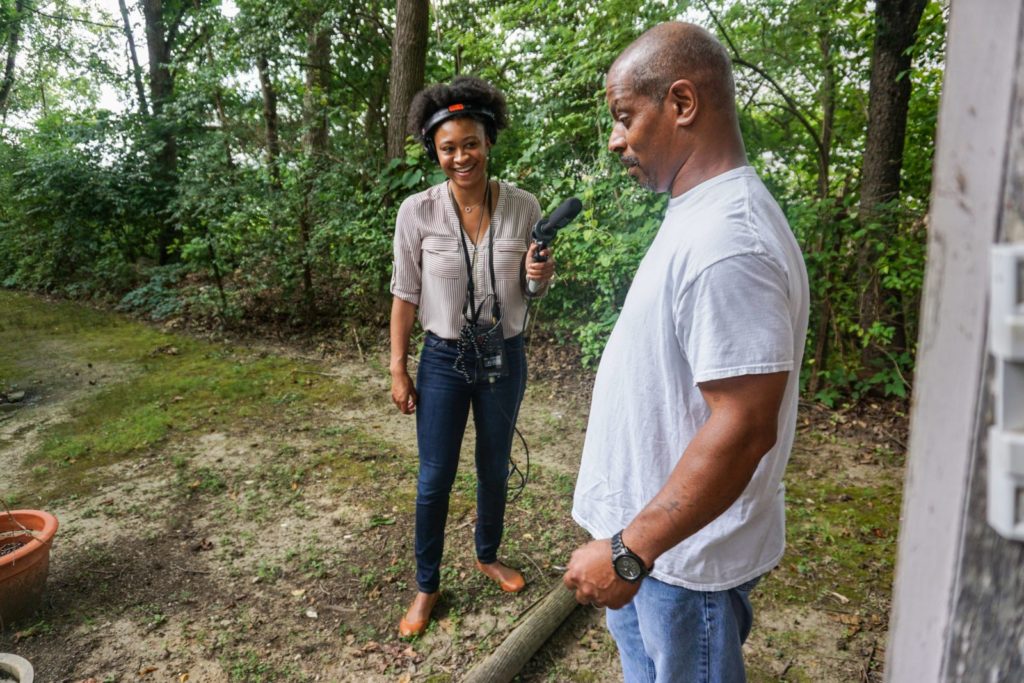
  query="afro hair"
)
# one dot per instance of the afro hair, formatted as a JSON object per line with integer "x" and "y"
{"x": 462, "y": 90}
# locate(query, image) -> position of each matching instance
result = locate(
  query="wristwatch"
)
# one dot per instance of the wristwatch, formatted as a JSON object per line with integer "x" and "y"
{"x": 627, "y": 564}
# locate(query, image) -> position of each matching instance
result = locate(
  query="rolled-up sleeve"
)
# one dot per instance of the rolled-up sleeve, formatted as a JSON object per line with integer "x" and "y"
{"x": 532, "y": 216}
{"x": 406, "y": 271}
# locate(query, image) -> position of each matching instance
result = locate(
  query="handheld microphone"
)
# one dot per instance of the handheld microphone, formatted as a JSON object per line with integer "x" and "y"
{"x": 546, "y": 230}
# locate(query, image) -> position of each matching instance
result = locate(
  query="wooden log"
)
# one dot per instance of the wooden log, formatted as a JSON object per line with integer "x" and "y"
{"x": 502, "y": 665}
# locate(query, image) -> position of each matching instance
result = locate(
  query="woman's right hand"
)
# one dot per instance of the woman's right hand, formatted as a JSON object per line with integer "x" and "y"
{"x": 403, "y": 395}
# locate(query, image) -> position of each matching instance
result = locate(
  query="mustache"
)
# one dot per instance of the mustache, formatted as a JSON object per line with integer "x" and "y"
{"x": 629, "y": 161}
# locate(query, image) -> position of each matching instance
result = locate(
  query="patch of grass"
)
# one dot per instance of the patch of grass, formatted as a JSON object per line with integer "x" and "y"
{"x": 780, "y": 645}
{"x": 246, "y": 666}
{"x": 152, "y": 615}
{"x": 356, "y": 462}
{"x": 268, "y": 572}
{"x": 794, "y": 674}
{"x": 841, "y": 543}
{"x": 205, "y": 479}
{"x": 37, "y": 629}
{"x": 368, "y": 579}
{"x": 171, "y": 385}
{"x": 311, "y": 559}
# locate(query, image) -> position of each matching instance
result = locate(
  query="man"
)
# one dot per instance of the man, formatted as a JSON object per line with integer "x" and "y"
{"x": 694, "y": 405}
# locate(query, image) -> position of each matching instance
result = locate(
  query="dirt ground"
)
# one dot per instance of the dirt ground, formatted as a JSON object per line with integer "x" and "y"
{"x": 275, "y": 544}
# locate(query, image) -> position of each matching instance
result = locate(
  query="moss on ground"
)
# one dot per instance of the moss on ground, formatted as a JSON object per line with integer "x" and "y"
{"x": 368, "y": 467}
{"x": 841, "y": 543}
{"x": 168, "y": 386}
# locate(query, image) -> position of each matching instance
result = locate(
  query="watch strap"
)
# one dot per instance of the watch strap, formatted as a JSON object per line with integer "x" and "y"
{"x": 619, "y": 549}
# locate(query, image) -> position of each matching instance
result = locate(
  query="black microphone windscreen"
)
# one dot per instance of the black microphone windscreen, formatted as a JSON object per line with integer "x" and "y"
{"x": 547, "y": 228}
{"x": 565, "y": 212}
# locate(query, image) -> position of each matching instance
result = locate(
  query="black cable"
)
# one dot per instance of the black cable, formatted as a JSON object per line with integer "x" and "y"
{"x": 512, "y": 494}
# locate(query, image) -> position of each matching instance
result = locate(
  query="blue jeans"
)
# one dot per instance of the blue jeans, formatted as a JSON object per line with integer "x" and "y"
{"x": 445, "y": 398}
{"x": 669, "y": 634}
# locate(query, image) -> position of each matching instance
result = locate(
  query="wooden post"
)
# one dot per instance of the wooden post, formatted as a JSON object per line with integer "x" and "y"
{"x": 515, "y": 651}
{"x": 956, "y": 610}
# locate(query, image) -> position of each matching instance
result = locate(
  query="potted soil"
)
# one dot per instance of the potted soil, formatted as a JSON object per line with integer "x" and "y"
{"x": 25, "y": 539}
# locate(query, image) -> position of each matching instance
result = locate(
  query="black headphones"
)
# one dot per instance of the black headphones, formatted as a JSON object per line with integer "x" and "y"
{"x": 453, "y": 111}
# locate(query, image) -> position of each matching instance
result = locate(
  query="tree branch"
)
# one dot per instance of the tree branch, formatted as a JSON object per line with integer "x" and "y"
{"x": 136, "y": 69}
{"x": 12, "y": 54}
{"x": 65, "y": 17}
{"x": 792, "y": 105}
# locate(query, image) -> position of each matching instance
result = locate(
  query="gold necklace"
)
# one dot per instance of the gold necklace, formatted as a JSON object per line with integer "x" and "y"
{"x": 472, "y": 207}
{"x": 468, "y": 210}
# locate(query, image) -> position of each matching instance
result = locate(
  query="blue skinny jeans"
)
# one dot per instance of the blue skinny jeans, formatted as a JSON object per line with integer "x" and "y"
{"x": 445, "y": 398}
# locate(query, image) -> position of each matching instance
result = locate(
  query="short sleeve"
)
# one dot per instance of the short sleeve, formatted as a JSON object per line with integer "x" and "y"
{"x": 734, "y": 319}
{"x": 406, "y": 273}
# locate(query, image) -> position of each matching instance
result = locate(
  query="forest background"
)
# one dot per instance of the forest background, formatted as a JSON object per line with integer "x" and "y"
{"x": 241, "y": 162}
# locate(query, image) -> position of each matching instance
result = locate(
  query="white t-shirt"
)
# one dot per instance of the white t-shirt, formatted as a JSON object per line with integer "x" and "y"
{"x": 721, "y": 292}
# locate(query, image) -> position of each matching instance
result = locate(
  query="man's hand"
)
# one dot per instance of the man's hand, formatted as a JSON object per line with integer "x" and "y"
{"x": 591, "y": 575}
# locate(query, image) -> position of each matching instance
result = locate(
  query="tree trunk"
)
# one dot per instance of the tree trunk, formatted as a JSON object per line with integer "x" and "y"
{"x": 13, "y": 38}
{"x": 318, "y": 53}
{"x": 273, "y": 141}
{"x": 161, "y": 88}
{"x": 314, "y": 143}
{"x": 825, "y": 241}
{"x": 896, "y": 24}
{"x": 136, "y": 69}
{"x": 408, "y": 66}
{"x": 375, "y": 125}
{"x": 827, "y": 98}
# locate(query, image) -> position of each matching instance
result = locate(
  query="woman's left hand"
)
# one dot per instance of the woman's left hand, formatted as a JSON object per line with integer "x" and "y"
{"x": 539, "y": 270}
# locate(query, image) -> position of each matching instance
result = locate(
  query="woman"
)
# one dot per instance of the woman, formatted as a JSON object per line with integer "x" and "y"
{"x": 463, "y": 257}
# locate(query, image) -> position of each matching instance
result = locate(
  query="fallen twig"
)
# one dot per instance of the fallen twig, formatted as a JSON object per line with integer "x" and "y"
{"x": 186, "y": 570}
{"x": 337, "y": 608}
{"x": 100, "y": 572}
{"x": 334, "y": 375}
{"x": 359, "y": 346}
{"x": 18, "y": 533}
{"x": 865, "y": 671}
{"x": 535, "y": 565}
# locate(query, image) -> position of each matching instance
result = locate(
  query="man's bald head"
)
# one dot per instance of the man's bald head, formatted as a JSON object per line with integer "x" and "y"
{"x": 676, "y": 50}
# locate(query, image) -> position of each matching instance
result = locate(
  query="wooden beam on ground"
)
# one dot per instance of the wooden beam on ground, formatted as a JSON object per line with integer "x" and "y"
{"x": 502, "y": 665}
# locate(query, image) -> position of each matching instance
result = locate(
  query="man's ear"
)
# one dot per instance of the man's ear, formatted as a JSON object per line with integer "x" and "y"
{"x": 683, "y": 96}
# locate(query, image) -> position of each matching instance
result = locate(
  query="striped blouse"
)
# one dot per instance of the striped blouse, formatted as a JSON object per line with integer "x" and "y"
{"x": 430, "y": 268}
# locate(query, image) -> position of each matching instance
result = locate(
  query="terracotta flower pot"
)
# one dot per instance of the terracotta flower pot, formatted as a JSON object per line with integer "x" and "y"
{"x": 23, "y": 572}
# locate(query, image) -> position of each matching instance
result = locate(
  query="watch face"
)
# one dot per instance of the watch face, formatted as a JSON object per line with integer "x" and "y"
{"x": 628, "y": 568}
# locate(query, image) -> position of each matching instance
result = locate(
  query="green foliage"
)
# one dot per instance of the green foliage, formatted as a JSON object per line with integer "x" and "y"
{"x": 73, "y": 219}
{"x": 157, "y": 298}
{"x": 92, "y": 205}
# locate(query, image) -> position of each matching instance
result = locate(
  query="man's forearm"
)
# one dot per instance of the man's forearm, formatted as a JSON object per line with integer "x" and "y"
{"x": 712, "y": 473}
{"x": 708, "y": 478}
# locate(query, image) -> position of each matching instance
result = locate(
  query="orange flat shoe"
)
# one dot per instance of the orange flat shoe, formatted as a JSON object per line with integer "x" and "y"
{"x": 407, "y": 628}
{"x": 513, "y": 582}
